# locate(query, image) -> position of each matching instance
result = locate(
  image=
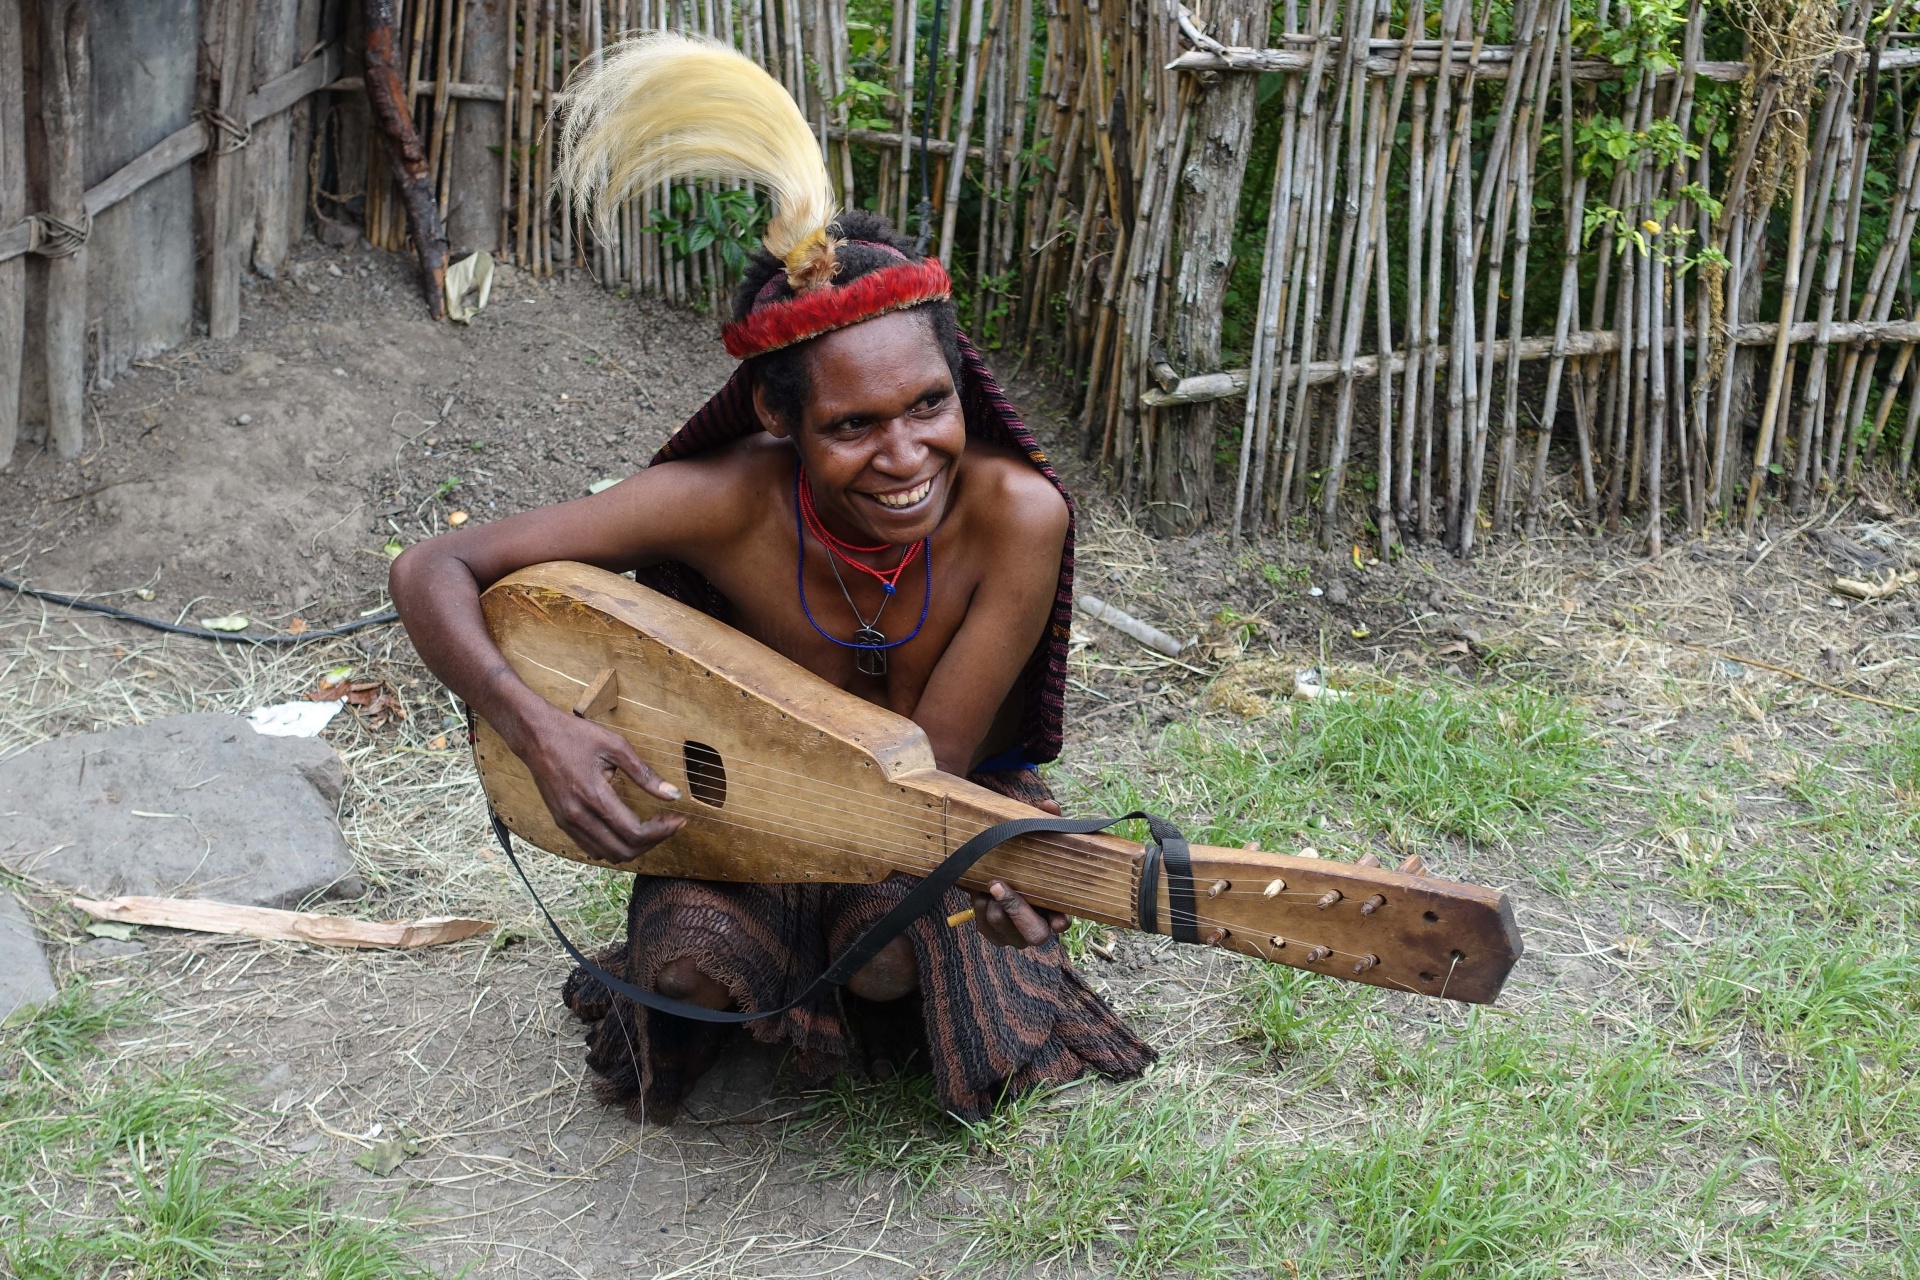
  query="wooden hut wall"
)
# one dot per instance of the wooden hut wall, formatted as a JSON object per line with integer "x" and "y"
{"x": 115, "y": 134}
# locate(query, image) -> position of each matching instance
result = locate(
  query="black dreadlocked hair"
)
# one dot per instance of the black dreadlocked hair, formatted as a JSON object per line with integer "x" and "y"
{"x": 782, "y": 374}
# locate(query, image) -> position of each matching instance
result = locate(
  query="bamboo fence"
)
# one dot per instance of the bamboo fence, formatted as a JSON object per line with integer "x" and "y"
{"x": 1469, "y": 316}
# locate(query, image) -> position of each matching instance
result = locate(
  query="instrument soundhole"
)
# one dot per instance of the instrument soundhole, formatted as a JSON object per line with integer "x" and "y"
{"x": 706, "y": 775}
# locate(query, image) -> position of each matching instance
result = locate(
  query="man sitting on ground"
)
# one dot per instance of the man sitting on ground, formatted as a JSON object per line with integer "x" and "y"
{"x": 864, "y": 439}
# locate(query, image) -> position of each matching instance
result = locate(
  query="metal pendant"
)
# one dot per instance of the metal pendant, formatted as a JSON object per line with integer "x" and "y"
{"x": 871, "y": 662}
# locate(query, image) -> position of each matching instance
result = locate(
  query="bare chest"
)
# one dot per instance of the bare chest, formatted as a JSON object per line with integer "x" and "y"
{"x": 830, "y": 623}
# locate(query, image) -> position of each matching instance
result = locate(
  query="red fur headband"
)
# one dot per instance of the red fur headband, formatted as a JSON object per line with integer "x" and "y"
{"x": 773, "y": 325}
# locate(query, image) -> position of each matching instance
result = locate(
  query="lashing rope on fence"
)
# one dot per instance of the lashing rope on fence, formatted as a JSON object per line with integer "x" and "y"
{"x": 229, "y": 134}
{"x": 52, "y": 237}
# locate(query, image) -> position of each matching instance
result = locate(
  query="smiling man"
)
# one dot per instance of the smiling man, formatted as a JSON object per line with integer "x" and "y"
{"x": 860, "y": 498}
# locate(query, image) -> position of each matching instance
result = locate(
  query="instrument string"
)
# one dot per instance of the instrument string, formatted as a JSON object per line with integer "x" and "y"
{"x": 935, "y": 827}
{"x": 805, "y": 784}
{"x": 1124, "y": 912}
{"x": 933, "y": 824}
{"x": 1038, "y": 876}
{"x": 1014, "y": 863}
{"x": 1034, "y": 876}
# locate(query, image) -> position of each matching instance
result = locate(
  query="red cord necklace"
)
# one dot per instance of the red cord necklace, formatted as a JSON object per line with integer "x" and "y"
{"x": 889, "y": 578}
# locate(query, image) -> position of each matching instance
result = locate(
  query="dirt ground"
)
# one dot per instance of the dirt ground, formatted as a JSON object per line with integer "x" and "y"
{"x": 264, "y": 476}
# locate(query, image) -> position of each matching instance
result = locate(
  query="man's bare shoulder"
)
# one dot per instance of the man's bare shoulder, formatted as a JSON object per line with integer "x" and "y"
{"x": 1005, "y": 490}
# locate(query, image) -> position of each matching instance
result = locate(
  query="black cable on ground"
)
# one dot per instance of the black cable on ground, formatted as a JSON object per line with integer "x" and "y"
{"x": 198, "y": 633}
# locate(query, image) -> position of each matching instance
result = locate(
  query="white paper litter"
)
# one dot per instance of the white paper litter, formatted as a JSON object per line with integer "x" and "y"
{"x": 294, "y": 719}
{"x": 471, "y": 275}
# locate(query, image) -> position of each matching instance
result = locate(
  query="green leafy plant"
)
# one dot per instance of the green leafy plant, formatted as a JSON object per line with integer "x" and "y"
{"x": 864, "y": 101}
{"x": 726, "y": 221}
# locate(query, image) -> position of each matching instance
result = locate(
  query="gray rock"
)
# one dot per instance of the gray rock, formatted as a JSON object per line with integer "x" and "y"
{"x": 190, "y": 806}
{"x": 1336, "y": 591}
{"x": 24, "y": 976}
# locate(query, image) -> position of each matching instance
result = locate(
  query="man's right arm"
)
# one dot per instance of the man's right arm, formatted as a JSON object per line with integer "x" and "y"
{"x": 436, "y": 588}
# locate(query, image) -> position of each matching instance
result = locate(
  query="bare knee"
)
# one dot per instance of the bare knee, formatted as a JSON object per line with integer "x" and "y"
{"x": 684, "y": 980}
{"x": 891, "y": 975}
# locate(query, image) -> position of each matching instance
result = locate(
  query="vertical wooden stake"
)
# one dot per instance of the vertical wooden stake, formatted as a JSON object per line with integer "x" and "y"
{"x": 1789, "y": 290}
{"x": 970, "y": 85}
{"x": 13, "y": 207}
{"x": 226, "y": 255}
{"x": 269, "y": 162}
{"x": 63, "y": 108}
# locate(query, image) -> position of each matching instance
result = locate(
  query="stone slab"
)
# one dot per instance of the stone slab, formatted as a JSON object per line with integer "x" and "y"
{"x": 24, "y": 976}
{"x": 189, "y": 806}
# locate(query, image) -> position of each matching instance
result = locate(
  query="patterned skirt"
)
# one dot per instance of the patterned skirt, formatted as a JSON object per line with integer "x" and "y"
{"x": 988, "y": 1022}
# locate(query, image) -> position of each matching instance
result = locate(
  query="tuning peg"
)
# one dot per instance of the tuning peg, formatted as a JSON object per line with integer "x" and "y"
{"x": 1373, "y": 904}
{"x": 1413, "y": 866}
{"x": 1274, "y": 888}
{"x": 1217, "y": 937}
{"x": 1218, "y": 887}
{"x": 1365, "y": 963}
{"x": 1327, "y": 899}
{"x": 1317, "y": 954}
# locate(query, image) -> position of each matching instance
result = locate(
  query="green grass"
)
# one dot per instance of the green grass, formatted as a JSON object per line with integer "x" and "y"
{"x": 108, "y": 1168}
{"x": 892, "y": 1128}
{"x": 1742, "y": 1098}
{"x": 1481, "y": 765}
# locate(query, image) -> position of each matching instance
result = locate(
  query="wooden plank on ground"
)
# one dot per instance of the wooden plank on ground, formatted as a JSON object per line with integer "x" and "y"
{"x": 202, "y": 915}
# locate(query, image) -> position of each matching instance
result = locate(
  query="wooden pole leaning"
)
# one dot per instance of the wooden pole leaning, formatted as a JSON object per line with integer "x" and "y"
{"x": 389, "y": 100}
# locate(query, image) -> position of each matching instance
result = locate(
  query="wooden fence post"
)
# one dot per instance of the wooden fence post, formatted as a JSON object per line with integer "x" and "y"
{"x": 269, "y": 159}
{"x": 64, "y": 227}
{"x": 13, "y": 207}
{"x": 227, "y": 250}
{"x": 1209, "y": 208}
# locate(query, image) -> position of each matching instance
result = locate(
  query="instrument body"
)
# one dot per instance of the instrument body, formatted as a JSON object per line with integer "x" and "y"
{"x": 790, "y": 779}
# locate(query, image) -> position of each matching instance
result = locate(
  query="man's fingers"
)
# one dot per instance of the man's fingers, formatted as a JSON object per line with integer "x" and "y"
{"x": 621, "y": 752}
{"x": 607, "y": 806}
{"x": 1020, "y": 914}
{"x": 593, "y": 835}
{"x": 591, "y": 831}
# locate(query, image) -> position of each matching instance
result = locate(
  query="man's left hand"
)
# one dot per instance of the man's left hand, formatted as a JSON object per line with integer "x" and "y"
{"x": 1009, "y": 920}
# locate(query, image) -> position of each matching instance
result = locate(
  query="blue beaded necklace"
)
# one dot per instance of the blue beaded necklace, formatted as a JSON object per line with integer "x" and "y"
{"x": 870, "y": 643}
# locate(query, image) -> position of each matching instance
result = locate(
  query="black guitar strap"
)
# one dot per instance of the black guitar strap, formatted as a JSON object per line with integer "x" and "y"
{"x": 1168, "y": 852}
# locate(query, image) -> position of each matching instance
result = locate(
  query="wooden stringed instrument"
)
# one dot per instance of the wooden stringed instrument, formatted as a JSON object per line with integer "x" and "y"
{"x": 790, "y": 779}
